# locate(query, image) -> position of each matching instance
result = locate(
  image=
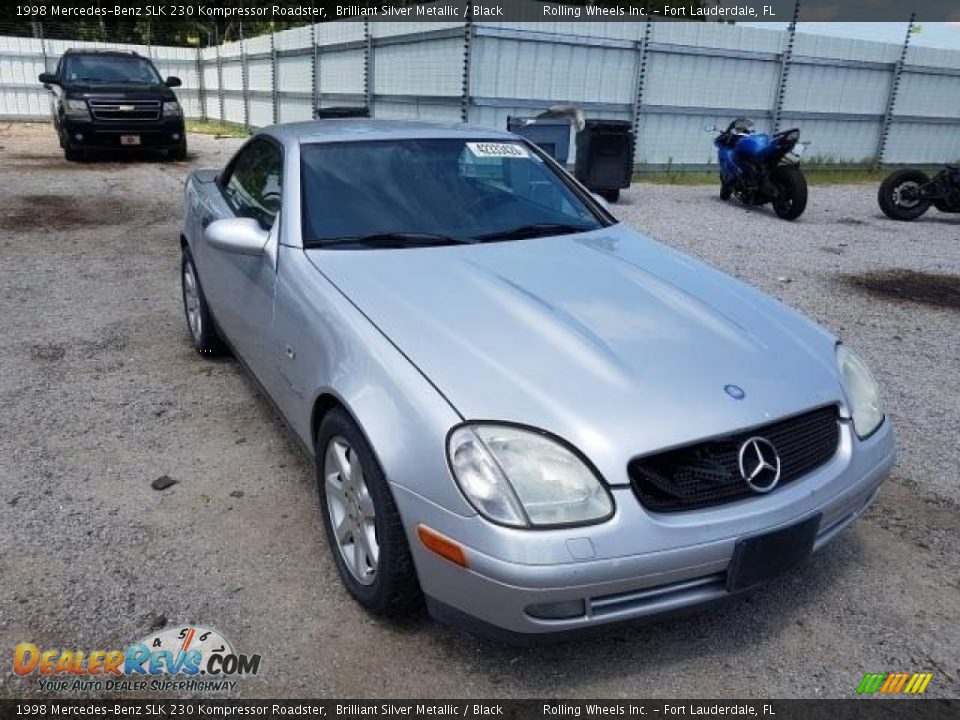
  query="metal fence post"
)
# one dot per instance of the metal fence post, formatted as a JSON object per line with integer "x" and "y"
{"x": 274, "y": 94}
{"x": 467, "y": 61}
{"x": 368, "y": 79}
{"x": 43, "y": 47}
{"x": 642, "y": 55}
{"x": 785, "y": 59}
{"x": 314, "y": 71}
{"x": 220, "y": 102}
{"x": 892, "y": 96}
{"x": 201, "y": 86}
{"x": 244, "y": 80}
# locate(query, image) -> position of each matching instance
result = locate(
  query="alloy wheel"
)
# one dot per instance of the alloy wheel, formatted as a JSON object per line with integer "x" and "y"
{"x": 191, "y": 301}
{"x": 351, "y": 509}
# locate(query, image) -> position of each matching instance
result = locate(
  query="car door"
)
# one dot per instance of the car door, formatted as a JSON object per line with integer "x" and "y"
{"x": 240, "y": 288}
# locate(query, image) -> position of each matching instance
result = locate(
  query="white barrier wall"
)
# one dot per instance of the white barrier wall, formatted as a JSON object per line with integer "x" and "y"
{"x": 667, "y": 78}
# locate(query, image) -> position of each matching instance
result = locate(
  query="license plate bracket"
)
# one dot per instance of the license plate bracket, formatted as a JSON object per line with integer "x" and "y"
{"x": 129, "y": 139}
{"x": 760, "y": 558}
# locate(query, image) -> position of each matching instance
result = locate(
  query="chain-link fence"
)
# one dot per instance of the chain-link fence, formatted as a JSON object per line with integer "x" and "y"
{"x": 856, "y": 101}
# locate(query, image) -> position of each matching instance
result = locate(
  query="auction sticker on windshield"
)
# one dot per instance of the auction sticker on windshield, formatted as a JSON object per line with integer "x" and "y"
{"x": 497, "y": 150}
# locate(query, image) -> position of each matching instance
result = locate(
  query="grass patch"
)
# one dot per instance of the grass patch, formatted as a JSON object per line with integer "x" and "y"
{"x": 215, "y": 128}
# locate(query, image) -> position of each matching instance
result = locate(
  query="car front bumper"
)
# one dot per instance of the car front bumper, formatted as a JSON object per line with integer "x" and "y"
{"x": 162, "y": 134}
{"x": 495, "y": 595}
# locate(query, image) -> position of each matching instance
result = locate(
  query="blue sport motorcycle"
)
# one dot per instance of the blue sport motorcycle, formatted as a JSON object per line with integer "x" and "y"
{"x": 759, "y": 168}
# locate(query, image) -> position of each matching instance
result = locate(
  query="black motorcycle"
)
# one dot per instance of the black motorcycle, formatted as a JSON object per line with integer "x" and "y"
{"x": 908, "y": 194}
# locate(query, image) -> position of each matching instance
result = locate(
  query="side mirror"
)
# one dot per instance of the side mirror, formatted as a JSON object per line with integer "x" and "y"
{"x": 173, "y": 81}
{"x": 48, "y": 78}
{"x": 242, "y": 236}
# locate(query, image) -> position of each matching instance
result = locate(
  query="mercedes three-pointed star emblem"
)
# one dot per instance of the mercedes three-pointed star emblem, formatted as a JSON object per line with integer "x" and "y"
{"x": 759, "y": 464}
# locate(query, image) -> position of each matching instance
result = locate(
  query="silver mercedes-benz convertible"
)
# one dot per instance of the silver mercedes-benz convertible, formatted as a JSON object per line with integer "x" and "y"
{"x": 521, "y": 410}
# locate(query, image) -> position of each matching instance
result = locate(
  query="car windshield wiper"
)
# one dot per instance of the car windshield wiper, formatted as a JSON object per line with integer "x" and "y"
{"x": 531, "y": 231}
{"x": 388, "y": 239}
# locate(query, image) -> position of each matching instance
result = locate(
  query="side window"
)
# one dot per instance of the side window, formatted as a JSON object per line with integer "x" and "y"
{"x": 253, "y": 188}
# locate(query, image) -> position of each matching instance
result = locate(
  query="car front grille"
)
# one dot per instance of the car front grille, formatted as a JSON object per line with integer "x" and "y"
{"x": 125, "y": 109}
{"x": 708, "y": 473}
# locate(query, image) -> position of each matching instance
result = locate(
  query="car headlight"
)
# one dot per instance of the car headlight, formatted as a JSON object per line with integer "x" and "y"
{"x": 863, "y": 393}
{"x": 523, "y": 478}
{"x": 76, "y": 109}
{"x": 171, "y": 108}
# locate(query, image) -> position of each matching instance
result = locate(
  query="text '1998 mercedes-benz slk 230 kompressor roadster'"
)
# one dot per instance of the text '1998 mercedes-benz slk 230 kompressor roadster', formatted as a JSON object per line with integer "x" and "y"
{"x": 520, "y": 409}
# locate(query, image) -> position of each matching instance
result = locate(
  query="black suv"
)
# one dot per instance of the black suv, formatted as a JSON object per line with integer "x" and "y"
{"x": 110, "y": 99}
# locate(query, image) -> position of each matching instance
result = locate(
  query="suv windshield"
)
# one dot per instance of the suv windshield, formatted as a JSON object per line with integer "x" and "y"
{"x": 110, "y": 69}
{"x": 397, "y": 193}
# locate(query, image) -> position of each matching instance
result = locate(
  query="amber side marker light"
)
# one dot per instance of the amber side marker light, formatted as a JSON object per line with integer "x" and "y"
{"x": 442, "y": 546}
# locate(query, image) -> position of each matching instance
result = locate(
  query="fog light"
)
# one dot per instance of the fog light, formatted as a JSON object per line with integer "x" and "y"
{"x": 175, "y": 136}
{"x": 566, "y": 610}
{"x": 78, "y": 137}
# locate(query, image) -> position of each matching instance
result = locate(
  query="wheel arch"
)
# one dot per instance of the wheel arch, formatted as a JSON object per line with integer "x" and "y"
{"x": 322, "y": 405}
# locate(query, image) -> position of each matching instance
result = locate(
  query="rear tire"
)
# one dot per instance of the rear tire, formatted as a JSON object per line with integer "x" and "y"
{"x": 889, "y": 195}
{"x": 793, "y": 188}
{"x": 200, "y": 325}
{"x": 355, "y": 497}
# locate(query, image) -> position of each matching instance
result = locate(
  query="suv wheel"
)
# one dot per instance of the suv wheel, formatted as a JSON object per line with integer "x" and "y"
{"x": 178, "y": 153}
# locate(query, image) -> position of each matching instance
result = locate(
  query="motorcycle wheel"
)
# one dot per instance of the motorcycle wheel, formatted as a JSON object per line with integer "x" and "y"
{"x": 889, "y": 195}
{"x": 792, "y": 200}
{"x": 726, "y": 190}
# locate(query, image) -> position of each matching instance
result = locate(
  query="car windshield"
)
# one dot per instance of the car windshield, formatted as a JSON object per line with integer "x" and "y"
{"x": 400, "y": 193}
{"x": 110, "y": 69}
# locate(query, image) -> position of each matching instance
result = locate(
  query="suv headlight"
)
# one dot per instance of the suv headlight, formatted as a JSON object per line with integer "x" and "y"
{"x": 171, "y": 108}
{"x": 525, "y": 478}
{"x": 76, "y": 109}
{"x": 862, "y": 390}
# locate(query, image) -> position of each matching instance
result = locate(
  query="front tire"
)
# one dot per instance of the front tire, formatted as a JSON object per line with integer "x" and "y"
{"x": 73, "y": 155}
{"x": 178, "y": 153}
{"x": 361, "y": 520}
{"x": 611, "y": 196}
{"x": 203, "y": 333}
{"x": 890, "y": 195}
{"x": 791, "y": 183}
{"x": 726, "y": 189}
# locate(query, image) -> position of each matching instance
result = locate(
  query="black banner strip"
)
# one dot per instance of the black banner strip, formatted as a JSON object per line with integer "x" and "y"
{"x": 859, "y": 709}
{"x": 495, "y": 10}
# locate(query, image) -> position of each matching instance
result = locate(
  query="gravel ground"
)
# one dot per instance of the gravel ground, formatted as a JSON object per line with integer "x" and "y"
{"x": 101, "y": 394}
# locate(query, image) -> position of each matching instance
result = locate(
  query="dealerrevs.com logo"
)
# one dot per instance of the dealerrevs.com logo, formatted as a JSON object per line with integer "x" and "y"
{"x": 184, "y": 658}
{"x": 896, "y": 683}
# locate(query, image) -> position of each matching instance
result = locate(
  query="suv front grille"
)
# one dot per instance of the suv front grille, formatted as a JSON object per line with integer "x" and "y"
{"x": 708, "y": 473}
{"x": 125, "y": 109}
